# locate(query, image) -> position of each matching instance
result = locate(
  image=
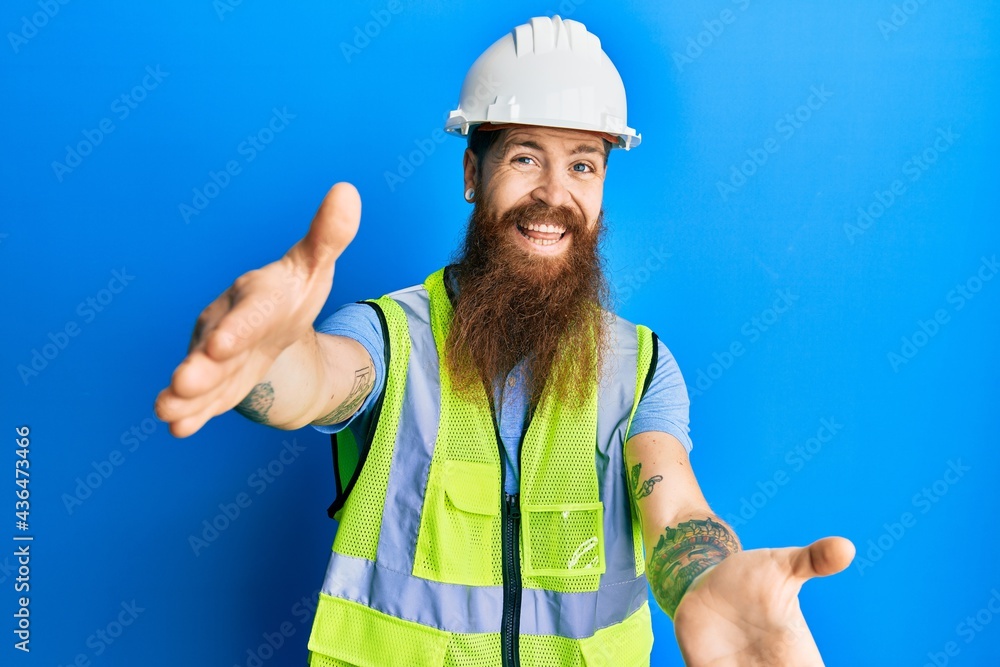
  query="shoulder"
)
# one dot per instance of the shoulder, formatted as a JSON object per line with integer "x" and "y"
{"x": 362, "y": 320}
{"x": 623, "y": 343}
{"x": 622, "y": 334}
{"x": 617, "y": 326}
{"x": 414, "y": 302}
{"x": 664, "y": 405}
{"x": 406, "y": 292}
{"x": 621, "y": 361}
{"x": 414, "y": 294}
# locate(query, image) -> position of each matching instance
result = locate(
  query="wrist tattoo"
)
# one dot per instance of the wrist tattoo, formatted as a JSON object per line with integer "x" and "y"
{"x": 685, "y": 552}
{"x": 257, "y": 403}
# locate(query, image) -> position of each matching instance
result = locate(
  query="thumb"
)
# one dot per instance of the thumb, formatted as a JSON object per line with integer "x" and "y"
{"x": 822, "y": 558}
{"x": 334, "y": 226}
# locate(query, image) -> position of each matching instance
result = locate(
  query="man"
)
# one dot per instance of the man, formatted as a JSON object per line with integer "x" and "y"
{"x": 519, "y": 444}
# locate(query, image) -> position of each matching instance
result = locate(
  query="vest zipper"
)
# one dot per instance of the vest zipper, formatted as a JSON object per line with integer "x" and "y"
{"x": 510, "y": 533}
{"x": 510, "y": 629}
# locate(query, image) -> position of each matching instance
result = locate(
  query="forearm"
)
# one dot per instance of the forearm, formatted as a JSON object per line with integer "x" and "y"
{"x": 319, "y": 379}
{"x": 698, "y": 541}
{"x": 683, "y": 538}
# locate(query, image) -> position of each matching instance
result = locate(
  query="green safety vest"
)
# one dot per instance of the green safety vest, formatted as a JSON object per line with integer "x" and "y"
{"x": 433, "y": 564}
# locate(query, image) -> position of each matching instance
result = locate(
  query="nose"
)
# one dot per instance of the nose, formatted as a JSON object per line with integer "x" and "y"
{"x": 552, "y": 189}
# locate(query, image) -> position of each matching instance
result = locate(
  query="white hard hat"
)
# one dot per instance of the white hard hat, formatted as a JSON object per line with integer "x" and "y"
{"x": 548, "y": 72}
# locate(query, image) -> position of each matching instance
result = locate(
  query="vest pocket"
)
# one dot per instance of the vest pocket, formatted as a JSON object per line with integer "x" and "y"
{"x": 348, "y": 633}
{"x": 472, "y": 487}
{"x": 460, "y": 525}
{"x": 565, "y": 540}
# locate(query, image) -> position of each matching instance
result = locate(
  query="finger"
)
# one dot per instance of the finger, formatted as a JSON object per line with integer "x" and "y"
{"x": 221, "y": 400}
{"x": 209, "y": 317}
{"x": 249, "y": 321}
{"x": 174, "y": 419}
{"x": 191, "y": 424}
{"x": 172, "y": 408}
{"x": 186, "y": 417}
{"x": 161, "y": 406}
{"x": 822, "y": 558}
{"x": 186, "y": 427}
{"x": 197, "y": 374}
{"x": 173, "y": 404}
{"x": 333, "y": 228}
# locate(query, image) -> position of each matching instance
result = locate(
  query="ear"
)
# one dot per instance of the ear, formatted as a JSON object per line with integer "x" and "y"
{"x": 470, "y": 170}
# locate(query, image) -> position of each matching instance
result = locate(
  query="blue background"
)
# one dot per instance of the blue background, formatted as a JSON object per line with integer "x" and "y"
{"x": 695, "y": 262}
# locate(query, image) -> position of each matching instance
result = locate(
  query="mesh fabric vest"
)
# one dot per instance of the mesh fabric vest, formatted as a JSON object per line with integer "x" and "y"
{"x": 434, "y": 565}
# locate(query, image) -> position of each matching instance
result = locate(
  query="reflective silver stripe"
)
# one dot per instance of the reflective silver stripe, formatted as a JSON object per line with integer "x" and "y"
{"x": 418, "y": 423}
{"x": 478, "y": 609}
{"x": 617, "y": 390}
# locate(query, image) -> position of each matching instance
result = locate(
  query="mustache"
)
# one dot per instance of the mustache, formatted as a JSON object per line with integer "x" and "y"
{"x": 541, "y": 212}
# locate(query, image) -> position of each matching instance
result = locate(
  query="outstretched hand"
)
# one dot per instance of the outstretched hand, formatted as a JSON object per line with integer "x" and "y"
{"x": 238, "y": 336}
{"x": 745, "y": 611}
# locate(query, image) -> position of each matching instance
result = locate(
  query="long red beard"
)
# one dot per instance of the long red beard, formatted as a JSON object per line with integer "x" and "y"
{"x": 513, "y": 304}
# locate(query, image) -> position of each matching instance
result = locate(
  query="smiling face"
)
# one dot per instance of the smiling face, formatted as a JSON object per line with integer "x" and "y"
{"x": 555, "y": 174}
{"x": 530, "y": 279}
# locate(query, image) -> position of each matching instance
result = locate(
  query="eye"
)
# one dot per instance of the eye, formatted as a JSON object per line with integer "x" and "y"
{"x": 526, "y": 159}
{"x": 586, "y": 167}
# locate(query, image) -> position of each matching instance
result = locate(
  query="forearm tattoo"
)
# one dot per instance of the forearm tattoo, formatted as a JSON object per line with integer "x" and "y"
{"x": 685, "y": 552}
{"x": 257, "y": 403}
{"x": 364, "y": 380}
{"x": 647, "y": 487}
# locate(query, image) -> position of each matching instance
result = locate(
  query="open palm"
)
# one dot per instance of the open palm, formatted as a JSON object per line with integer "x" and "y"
{"x": 239, "y": 336}
{"x": 745, "y": 611}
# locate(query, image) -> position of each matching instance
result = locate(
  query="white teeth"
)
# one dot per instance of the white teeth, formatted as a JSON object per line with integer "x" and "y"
{"x": 546, "y": 228}
{"x": 542, "y": 241}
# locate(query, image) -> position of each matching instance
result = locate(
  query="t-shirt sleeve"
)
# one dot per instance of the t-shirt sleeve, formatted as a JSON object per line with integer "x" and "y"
{"x": 360, "y": 322}
{"x": 665, "y": 405}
